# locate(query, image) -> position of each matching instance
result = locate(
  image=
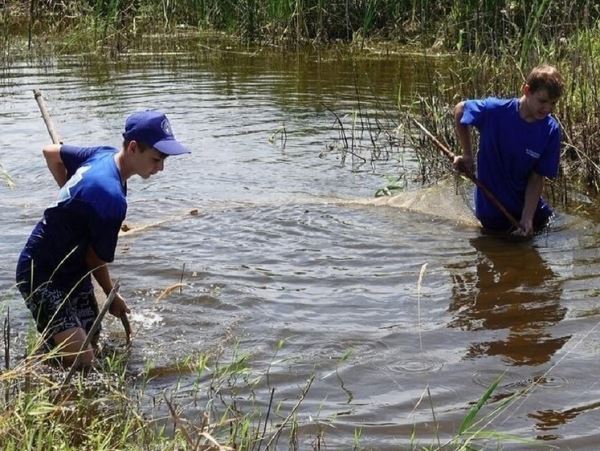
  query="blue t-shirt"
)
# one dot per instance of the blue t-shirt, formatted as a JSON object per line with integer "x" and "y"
{"x": 88, "y": 211}
{"x": 510, "y": 148}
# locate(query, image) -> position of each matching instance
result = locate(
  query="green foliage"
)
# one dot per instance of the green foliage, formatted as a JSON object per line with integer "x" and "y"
{"x": 470, "y": 417}
{"x": 102, "y": 410}
{"x": 469, "y": 25}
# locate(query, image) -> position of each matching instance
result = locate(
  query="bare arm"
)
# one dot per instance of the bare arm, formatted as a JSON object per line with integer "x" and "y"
{"x": 463, "y": 162}
{"x": 535, "y": 186}
{"x": 55, "y": 164}
{"x": 100, "y": 271}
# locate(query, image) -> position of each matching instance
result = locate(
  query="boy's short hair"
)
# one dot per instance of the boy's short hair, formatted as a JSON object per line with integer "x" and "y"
{"x": 546, "y": 77}
{"x": 143, "y": 147}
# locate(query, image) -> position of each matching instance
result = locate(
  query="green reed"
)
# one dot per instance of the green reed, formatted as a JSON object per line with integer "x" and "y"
{"x": 468, "y": 25}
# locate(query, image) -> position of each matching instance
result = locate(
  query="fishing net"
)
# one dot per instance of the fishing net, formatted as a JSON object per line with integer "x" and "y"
{"x": 450, "y": 199}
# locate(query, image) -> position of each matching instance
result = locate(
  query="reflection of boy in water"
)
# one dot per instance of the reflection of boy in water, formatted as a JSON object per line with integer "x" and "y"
{"x": 520, "y": 295}
{"x": 519, "y": 146}
{"x": 78, "y": 234}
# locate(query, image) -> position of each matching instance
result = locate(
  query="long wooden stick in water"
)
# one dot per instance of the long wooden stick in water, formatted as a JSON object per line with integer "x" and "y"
{"x": 39, "y": 98}
{"x": 90, "y": 335}
{"x": 37, "y": 94}
{"x": 470, "y": 176}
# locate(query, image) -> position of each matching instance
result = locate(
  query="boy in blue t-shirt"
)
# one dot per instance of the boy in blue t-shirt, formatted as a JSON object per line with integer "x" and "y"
{"x": 519, "y": 145}
{"x": 77, "y": 235}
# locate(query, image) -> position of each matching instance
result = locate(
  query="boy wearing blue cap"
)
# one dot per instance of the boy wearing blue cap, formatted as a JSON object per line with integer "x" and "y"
{"x": 77, "y": 235}
{"x": 519, "y": 146}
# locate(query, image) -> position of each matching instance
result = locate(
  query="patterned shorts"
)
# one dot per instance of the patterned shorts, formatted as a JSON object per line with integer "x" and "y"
{"x": 55, "y": 311}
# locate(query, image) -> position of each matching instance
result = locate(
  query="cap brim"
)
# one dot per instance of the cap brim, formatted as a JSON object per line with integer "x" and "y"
{"x": 170, "y": 147}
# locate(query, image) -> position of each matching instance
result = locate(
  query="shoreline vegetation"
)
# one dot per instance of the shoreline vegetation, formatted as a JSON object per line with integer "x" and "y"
{"x": 215, "y": 401}
{"x": 496, "y": 42}
{"x": 480, "y": 26}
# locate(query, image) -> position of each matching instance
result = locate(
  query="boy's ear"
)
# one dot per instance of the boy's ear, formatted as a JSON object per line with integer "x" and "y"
{"x": 525, "y": 89}
{"x": 132, "y": 146}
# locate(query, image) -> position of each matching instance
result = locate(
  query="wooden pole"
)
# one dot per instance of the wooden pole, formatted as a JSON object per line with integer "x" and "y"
{"x": 39, "y": 98}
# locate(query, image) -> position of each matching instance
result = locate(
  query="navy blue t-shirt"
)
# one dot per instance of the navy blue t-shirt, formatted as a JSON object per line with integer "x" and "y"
{"x": 88, "y": 211}
{"x": 510, "y": 148}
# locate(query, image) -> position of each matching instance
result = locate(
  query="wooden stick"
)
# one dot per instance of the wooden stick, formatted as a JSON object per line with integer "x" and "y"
{"x": 126, "y": 327}
{"x": 90, "y": 335}
{"x": 37, "y": 94}
{"x": 470, "y": 176}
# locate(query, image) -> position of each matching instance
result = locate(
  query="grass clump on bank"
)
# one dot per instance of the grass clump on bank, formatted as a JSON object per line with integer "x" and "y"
{"x": 41, "y": 410}
{"x": 108, "y": 409}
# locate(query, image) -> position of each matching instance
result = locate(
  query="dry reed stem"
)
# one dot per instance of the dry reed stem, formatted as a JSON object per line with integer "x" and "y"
{"x": 293, "y": 411}
{"x": 419, "y": 283}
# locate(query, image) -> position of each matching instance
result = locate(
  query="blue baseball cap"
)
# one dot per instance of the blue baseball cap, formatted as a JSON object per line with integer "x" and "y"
{"x": 154, "y": 129}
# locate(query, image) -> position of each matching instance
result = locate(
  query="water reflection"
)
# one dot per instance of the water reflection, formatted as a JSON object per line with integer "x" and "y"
{"x": 552, "y": 419}
{"x": 514, "y": 290}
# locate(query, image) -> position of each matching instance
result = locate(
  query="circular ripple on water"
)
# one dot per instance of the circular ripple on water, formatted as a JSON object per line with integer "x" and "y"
{"x": 346, "y": 351}
{"x": 513, "y": 380}
{"x": 419, "y": 365}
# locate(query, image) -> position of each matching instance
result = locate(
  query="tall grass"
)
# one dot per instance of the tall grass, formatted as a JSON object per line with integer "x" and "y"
{"x": 101, "y": 410}
{"x": 468, "y": 25}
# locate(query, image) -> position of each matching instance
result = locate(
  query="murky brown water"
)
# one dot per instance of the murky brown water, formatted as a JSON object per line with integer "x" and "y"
{"x": 289, "y": 245}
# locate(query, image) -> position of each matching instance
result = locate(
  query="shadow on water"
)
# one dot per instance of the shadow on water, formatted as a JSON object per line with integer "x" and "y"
{"x": 514, "y": 293}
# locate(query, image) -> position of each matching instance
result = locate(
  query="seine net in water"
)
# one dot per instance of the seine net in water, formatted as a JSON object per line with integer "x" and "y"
{"x": 448, "y": 199}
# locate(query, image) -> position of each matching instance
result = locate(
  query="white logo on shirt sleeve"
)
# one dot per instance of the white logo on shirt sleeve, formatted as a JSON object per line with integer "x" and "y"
{"x": 532, "y": 153}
